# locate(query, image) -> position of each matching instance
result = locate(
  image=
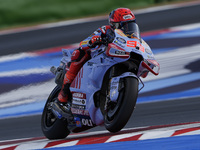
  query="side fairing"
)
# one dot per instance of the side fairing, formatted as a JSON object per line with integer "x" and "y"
{"x": 147, "y": 54}
{"x": 90, "y": 77}
{"x": 89, "y": 80}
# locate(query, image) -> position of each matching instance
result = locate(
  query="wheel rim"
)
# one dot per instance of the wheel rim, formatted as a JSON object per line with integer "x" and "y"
{"x": 49, "y": 118}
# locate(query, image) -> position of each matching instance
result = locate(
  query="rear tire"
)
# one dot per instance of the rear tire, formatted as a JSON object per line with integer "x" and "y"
{"x": 125, "y": 105}
{"x": 52, "y": 127}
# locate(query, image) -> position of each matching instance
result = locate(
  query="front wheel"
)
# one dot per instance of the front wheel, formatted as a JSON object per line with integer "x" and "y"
{"x": 118, "y": 114}
{"x": 52, "y": 127}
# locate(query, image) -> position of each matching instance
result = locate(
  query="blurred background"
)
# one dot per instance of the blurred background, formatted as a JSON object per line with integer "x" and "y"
{"x": 33, "y": 33}
{"x": 31, "y": 12}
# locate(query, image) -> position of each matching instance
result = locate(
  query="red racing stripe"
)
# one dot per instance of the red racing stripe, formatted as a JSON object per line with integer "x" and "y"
{"x": 178, "y": 132}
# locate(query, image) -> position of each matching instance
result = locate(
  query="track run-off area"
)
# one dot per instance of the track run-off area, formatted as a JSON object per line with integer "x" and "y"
{"x": 27, "y": 82}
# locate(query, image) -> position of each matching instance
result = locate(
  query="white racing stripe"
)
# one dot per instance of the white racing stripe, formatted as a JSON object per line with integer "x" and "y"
{"x": 13, "y": 57}
{"x": 72, "y": 143}
{"x": 156, "y": 134}
{"x": 36, "y": 92}
{"x": 185, "y": 27}
{"x": 34, "y": 145}
{"x": 16, "y": 102}
{"x": 123, "y": 136}
{"x": 24, "y": 72}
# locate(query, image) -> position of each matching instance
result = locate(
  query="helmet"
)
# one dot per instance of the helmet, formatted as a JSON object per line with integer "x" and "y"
{"x": 120, "y": 15}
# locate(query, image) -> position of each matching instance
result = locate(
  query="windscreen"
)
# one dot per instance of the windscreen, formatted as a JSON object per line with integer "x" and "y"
{"x": 131, "y": 29}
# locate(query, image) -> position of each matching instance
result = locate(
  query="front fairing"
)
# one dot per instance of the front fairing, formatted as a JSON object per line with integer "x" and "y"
{"x": 124, "y": 46}
{"x": 127, "y": 45}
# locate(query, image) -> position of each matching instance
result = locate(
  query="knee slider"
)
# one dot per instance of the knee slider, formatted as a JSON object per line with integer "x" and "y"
{"x": 77, "y": 55}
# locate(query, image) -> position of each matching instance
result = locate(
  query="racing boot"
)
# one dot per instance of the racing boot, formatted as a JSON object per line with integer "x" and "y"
{"x": 64, "y": 100}
{"x": 63, "y": 103}
{"x": 62, "y": 110}
{"x": 65, "y": 94}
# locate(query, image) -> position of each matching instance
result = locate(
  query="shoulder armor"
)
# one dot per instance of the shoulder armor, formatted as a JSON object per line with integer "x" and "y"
{"x": 104, "y": 29}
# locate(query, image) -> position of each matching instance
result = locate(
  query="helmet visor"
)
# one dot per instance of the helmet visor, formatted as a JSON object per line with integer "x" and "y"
{"x": 131, "y": 29}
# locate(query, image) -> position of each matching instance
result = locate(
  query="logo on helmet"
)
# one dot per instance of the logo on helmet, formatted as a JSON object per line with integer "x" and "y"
{"x": 127, "y": 17}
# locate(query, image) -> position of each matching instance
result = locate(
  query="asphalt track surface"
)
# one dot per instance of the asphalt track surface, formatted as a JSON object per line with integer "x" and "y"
{"x": 147, "y": 114}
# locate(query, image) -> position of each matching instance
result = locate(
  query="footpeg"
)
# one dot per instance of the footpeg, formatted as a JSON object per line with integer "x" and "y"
{"x": 60, "y": 114}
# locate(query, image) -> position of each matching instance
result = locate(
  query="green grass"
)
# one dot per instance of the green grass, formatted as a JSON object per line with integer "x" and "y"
{"x": 29, "y": 12}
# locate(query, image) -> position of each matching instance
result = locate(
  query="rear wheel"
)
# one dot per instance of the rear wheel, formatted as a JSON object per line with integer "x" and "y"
{"x": 52, "y": 127}
{"x": 118, "y": 113}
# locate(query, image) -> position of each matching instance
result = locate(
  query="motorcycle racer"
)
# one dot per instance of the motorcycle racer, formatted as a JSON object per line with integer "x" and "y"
{"x": 118, "y": 19}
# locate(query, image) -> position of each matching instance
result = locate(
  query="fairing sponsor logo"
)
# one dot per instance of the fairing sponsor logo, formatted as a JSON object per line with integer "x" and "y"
{"x": 78, "y": 121}
{"x": 148, "y": 51}
{"x": 87, "y": 122}
{"x": 80, "y": 112}
{"x": 79, "y": 95}
{"x": 127, "y": 17}
{"x": 121, "y": 40}
{"x": 78, "y": 106}
{"x": 119, "y": 44}
{"x": 118, "y": 52}
{"x": 79, "y": 101}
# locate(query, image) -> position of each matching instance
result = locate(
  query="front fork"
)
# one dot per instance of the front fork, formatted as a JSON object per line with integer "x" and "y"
{"x": 115, "y": 85}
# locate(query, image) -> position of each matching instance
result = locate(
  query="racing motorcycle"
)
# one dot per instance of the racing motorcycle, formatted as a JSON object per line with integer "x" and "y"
{"x": 106, "y": 88}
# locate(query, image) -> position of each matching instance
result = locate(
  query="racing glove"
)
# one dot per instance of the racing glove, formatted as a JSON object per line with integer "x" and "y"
{"x": 94, "y": 41}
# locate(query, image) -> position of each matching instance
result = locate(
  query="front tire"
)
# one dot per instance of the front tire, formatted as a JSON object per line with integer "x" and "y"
{"x": 122, "y": 111}
{"x": 52, "y": 127}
